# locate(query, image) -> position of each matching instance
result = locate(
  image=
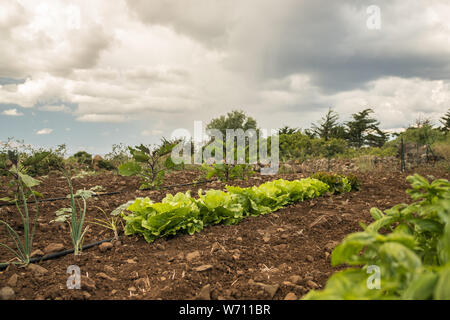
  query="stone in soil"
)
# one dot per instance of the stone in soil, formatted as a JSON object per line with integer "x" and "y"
{"x": 204, "y": 267}
{"x": 192, "y": 256}
{"x": 105, "y": 246}
{"x": 205, "y": 293}
{"x": 88, "y": 283}
{"x": 12, "y": 282}
{"x": 37, "y": 269}
{"x": 290, "y": 296}
{"x": 7, "y": 293}
{"x": 37, "y": 253}
{"x": 105, "y": 276}
{"x": 53, "y": 247}
{"x": 295, "y": 279}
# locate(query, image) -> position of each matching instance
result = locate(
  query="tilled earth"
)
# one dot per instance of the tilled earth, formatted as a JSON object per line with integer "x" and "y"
{"x": 265, "y": 257}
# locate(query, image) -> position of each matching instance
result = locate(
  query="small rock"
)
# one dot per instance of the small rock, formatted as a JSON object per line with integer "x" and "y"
{"x": 131, "y": 261}
{"x": 192, "y": 256}
{"x": 204, "y": 267}
{"x": 109, "y": 269}
{"x": 7, "y": 293}
{"x": 113, "y": 292}
{"x": 161, "y": 247}
{"x": 271, "y": 289}
{"x": 133, "y": 289}
{"x": 205, "y": 293}
{"x": 105, "y": 246}
{"x": 295, "y": 279}
{"x": 88, "y": 283}
{"x": 309, "y": 258}
{"x": 280, "y": 247}
{"x": 12, "y": 282}
{"x": 239, "y": 238}
{"x": 312, "y": 284}
{"x": 53, "y": 247}
{"x": 37, "y": 253}
{"x": 37, "y": 269}
{"x": 290, "y": 296}
{"x": 105, "y": 276}
{"x": 215, "y": 247}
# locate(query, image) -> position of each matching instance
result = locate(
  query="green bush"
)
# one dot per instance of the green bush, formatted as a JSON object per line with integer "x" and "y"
{"x": 106, "y": 165}
{"x": 83, "y": 157}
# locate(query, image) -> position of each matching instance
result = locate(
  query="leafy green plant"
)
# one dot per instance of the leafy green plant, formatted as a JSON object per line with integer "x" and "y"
{"x": 183, "y": 213}
{"x": 24, "y": 246}
{"x": 338, "y": 183}
{"x": 149, "y": 164}
{"x": 410, "y": 244}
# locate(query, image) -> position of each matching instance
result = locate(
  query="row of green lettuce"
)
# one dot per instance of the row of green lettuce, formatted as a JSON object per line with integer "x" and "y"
{"x": 403, "y": 254}
{"x": 182, "y": 213}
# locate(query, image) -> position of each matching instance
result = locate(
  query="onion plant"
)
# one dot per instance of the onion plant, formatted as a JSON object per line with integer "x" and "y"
{"x": 77, "y": 220}
{"x": 23, "y": 245}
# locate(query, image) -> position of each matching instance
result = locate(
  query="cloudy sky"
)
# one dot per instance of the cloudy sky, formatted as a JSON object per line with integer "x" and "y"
{"x": 90, "y": 73}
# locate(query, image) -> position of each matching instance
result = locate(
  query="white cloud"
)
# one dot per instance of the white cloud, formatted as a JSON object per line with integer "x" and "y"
{"x": 149, "y": 133}
{"x": 12, "y": 112}
{"x": 56, "y": 108}
{"x": 172, "y": 63}
{"x": 44, "y": 131}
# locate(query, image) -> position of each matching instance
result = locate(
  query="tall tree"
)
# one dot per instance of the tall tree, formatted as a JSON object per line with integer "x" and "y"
{"x": 364, "y": 130}
{"x": 328, "y": 127}
{"x": 235, "y": 119}
{"x": 445, "y": 120}
{"x": 288, "y": 130}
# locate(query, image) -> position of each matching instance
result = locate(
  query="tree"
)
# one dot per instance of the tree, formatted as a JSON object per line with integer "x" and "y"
{"x": 235, "y": 119}
{"x": 422, "y": 133}
{"x": 288, "y": 130}
{"x": 445, "y": 120}
{"x": 364, "y": 130}
{"x": 328, "y": 128}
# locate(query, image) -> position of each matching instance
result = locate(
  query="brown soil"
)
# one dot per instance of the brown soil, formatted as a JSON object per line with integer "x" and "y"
{"x": 270, "y": 249}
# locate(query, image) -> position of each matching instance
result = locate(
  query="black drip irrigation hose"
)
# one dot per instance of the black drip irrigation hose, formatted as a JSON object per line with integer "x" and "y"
{"x": 56, "y": 255}
{"x": 111, "y": 193}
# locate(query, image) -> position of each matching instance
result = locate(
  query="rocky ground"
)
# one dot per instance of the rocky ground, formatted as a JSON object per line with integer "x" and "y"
{"x": 281, "y": 255}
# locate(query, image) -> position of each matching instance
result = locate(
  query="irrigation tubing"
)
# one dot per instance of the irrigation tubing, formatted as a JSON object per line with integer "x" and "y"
{"x": 111, "y": 193}
{"x": 56, "y": 255}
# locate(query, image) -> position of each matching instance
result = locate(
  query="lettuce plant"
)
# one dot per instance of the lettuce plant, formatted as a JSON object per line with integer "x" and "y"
{"x": 183, "y": 213}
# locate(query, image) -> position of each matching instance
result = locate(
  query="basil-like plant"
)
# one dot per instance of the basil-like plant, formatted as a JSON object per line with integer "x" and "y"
{"x": 150, "y": 164}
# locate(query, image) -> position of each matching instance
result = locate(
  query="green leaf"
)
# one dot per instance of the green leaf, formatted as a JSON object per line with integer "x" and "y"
{"x": 376, "y": 213}
{"x": 27, "y": 180}
{"x": 422, "y": 287}
{"x": 129, "y": 169}
{"x": 442, "y": 290}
